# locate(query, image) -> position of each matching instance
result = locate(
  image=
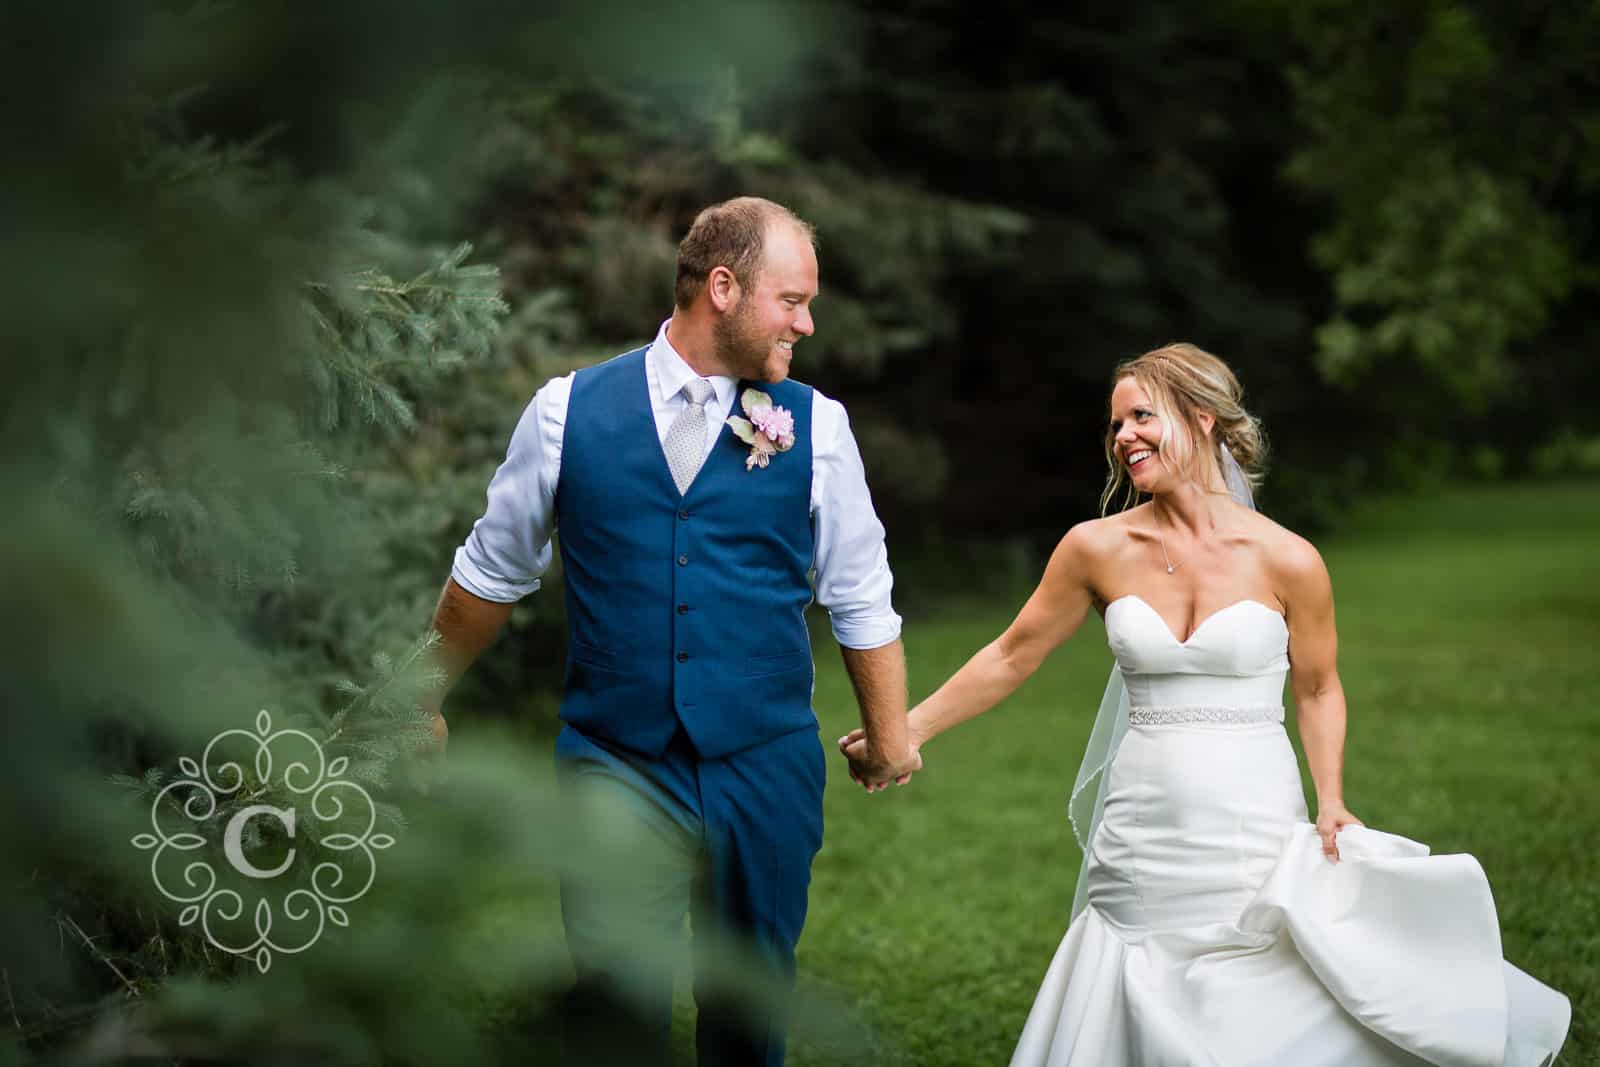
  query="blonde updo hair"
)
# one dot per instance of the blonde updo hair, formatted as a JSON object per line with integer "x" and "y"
{"x": 1182, "y": 381}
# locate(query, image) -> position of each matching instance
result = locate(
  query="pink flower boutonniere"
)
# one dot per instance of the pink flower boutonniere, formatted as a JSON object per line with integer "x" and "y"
{"x": 768, "y": 430}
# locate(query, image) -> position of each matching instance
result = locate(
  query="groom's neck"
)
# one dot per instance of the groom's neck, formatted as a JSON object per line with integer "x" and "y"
{"x": 691, "y": 335}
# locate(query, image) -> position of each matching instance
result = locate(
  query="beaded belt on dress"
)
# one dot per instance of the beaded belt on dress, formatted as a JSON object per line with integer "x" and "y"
{"x": 1168, "y": 715}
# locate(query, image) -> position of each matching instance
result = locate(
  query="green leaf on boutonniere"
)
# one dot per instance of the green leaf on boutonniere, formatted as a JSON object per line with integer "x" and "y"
{"x": 742, "y": 428}
{"x": 751, "y": 399}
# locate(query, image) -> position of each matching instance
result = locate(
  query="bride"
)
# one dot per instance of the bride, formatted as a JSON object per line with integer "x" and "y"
{"x": 1215, "y": 926}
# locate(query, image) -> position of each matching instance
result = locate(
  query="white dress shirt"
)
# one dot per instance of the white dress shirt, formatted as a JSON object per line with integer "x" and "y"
{"x": 509, "y": 547}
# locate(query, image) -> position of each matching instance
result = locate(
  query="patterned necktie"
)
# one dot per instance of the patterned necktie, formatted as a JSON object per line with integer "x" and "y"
{"x": 685, "y": 445}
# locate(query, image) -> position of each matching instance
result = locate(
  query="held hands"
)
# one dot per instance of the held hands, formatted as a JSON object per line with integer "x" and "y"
{"x": 870, "y": 769}
{"x": 1332, "y": 818}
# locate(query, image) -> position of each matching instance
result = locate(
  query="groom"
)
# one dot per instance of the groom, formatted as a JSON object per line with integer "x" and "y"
{"x": 687, "y": 547}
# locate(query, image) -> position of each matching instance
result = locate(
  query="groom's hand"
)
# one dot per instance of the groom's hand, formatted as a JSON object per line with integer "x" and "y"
{"x": 439, "y": 736}
{"x": 871, "y": 769}
{"x": 431, "y": 753}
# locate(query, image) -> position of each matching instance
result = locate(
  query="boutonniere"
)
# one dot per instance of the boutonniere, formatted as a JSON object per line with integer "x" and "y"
{"x": 768, "y": 430}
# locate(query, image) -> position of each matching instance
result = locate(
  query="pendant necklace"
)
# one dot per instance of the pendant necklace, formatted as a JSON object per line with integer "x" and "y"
{"x": 1171, "y": 566}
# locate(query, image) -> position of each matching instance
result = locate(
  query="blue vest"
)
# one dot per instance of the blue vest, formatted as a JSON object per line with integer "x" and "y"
{"x": 682, "y": 608}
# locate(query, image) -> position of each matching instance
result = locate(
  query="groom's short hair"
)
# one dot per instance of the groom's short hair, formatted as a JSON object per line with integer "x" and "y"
{"x": 730, "y": 234}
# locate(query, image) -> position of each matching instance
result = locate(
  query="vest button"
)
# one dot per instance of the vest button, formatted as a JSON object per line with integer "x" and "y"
{"x": 683, "y": 514}
{"x": 683, "y": 561}
{"x": 683, "y": 657}
{"x": 683, "y": 609}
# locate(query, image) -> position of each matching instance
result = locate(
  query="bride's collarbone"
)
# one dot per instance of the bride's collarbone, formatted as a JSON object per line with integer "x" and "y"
{"x": 1212, "y": 578}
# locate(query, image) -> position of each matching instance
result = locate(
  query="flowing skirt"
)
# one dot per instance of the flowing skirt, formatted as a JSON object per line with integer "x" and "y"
{"x": 1217, "y": 934}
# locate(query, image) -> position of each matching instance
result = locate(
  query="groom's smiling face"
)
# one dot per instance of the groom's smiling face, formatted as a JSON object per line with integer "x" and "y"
{"x": 756, "y": 337}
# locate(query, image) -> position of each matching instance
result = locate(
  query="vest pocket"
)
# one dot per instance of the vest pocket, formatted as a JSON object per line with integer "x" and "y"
{"x": 589, "y": 655}
{"x": 782, "y": 663}
{"x": 591, "y": 669}
{"x": 586, "y": 678}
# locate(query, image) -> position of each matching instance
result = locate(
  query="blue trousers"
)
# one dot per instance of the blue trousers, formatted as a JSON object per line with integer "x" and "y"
{"x": 728, "y": 842}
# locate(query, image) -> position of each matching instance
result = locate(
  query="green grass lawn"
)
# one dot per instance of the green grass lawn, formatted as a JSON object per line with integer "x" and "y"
{"x": 1468, "y": 622}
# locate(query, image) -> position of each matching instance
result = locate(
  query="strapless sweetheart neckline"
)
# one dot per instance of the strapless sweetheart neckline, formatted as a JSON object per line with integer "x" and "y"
{"x": 1202, "y": 624}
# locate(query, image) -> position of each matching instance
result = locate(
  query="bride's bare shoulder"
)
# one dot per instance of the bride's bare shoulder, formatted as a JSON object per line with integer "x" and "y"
{"x": 1095, "y": 540}
{"x": 1287, "y": 554}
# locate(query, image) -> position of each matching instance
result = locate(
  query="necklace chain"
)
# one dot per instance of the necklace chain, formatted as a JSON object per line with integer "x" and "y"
{"x": 1162, "y": 541}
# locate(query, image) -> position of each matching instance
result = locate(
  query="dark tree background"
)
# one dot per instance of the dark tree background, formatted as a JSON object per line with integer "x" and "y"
{"x": 1380, "y": 218}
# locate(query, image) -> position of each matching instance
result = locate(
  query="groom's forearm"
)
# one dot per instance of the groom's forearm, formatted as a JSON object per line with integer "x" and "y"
{"x": 467, "y": 625}
{"x": 879, "y": 678}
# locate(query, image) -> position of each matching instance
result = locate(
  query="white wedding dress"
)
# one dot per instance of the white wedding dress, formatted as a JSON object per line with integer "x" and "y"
{"x": 1216, "y": 932}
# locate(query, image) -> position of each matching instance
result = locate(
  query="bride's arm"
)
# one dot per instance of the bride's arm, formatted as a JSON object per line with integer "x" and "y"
{"x": 1052, "y": 614}
{"x": 1314, "y": 678}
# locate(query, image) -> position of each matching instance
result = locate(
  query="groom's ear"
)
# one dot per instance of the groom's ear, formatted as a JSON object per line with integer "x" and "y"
{"x": 723, "y": 288}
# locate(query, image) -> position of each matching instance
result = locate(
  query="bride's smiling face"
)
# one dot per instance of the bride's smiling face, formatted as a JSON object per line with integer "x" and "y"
{"x": 1137, "y": 431}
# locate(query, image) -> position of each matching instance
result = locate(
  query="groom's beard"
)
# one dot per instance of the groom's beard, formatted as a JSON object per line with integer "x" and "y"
{"x": 741, "y": 345}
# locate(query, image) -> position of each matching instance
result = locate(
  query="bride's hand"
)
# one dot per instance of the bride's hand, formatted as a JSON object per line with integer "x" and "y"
{"x": 868, "y": 771}
{"x": 1330, "y": 820}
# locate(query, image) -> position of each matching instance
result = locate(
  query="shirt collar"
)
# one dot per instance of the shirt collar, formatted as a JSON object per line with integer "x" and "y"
{"x": 672, "y": 372}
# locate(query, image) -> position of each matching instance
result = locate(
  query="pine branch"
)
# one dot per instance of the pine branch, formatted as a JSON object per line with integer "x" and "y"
{"x": 11, "y": 1001}
{"x": 88, "y": 943}
{"x": 490, "y": 301}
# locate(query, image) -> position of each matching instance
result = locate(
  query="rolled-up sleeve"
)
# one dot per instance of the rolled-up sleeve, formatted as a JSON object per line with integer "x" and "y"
{"x": 853, "y": 581}
{"x": 509, "y": 546}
